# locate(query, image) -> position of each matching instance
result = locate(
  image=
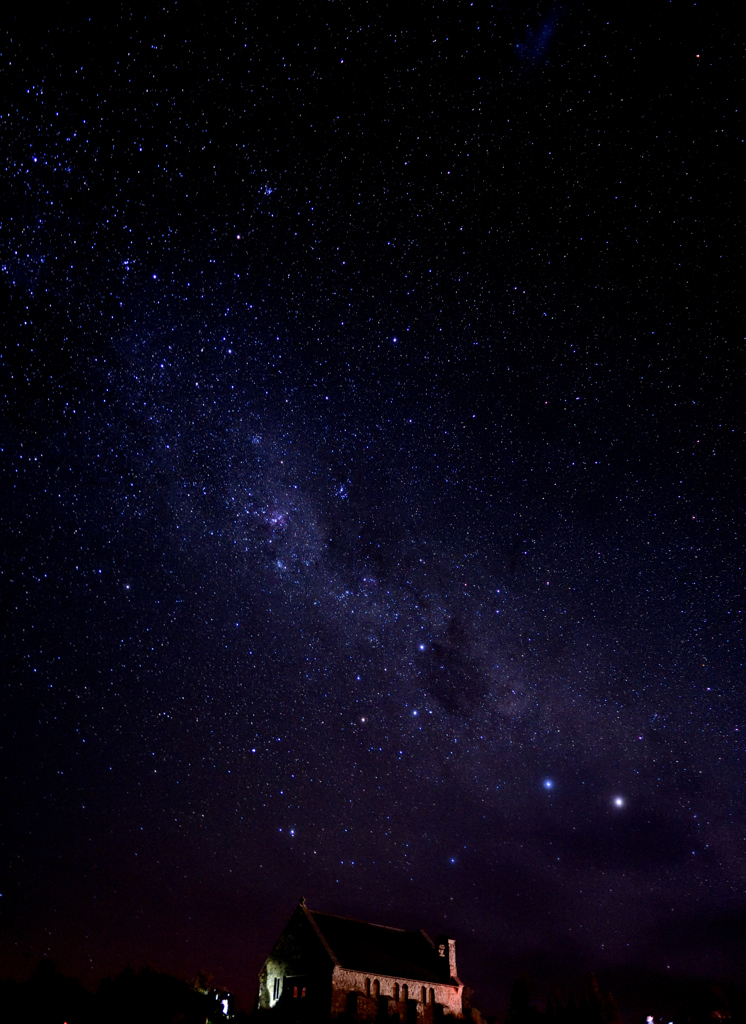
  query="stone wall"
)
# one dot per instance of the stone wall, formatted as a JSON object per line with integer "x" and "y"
{"x": 370, "y": 997}
{"x": 297, "y": 953}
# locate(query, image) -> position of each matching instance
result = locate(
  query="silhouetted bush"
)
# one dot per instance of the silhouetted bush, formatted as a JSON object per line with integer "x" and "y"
{"x": 145, "y": 997}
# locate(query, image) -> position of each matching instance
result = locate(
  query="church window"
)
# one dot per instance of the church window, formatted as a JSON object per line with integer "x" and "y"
{"x": 405, "y": 992}
{"x": 423, "y": 995}
{"x": 376, "y": 988}
{"x": 396, "y": 991}
{"x": 276, "y": 988}
{"x": 295, "y": 991}
{"x": 367, "y": 986}
{"x": 432, "y": 996}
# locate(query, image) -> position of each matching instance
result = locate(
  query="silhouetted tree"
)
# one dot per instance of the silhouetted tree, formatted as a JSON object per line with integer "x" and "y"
{"x": 47, "y": 997}
{"x": 557, "y": 1013}
{"x": 471, "y": 1011}
{"x": 594, "y": 1006}
{"x": 704, "y": 1003}
{"x": 520, "y": 1010}
{"x": 602, "y": 1006}
{"x": 10, "y": 1000}
{"x": 150, "y": 997}
{"x": 147, "y": 997}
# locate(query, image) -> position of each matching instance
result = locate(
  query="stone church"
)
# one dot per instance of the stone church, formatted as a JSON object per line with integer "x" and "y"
{"x": 324, "y": 967}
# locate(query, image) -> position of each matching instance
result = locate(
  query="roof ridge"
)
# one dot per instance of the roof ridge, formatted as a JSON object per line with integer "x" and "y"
{"x": 371, "y": 924}
{"x": 320, "y": 935}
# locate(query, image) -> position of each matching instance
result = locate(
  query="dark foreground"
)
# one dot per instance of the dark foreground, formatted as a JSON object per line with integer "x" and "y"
{"x": 150, "y": 997}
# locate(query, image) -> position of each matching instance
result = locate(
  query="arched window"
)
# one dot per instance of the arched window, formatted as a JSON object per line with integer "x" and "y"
{"x": 303, "y": 993}
{"x": 396, "y": 991}
{"x": 376, "y": 988}
{"x": 295, "y": 991}
{"x": 423, "y": 995}
{"x": 432, "y": 996}
{"x": 405, "y": 993}
{"x": 367, "y": 986}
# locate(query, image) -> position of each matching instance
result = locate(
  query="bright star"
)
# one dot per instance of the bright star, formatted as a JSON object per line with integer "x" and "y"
{"x": 619, "y": 801}
{"x": 548, "y": 784}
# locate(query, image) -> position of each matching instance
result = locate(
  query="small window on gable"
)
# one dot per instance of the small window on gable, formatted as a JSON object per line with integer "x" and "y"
{"x": 276, "y": 988}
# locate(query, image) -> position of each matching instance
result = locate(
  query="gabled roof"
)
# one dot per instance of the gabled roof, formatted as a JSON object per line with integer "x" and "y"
{"x": 378, "y": 949}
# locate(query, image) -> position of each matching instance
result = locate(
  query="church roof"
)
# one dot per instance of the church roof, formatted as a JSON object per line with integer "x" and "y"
{"x": 377, "y": 949}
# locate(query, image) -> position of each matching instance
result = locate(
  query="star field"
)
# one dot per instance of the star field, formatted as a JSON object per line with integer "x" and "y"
{"x": 372, "y": 458}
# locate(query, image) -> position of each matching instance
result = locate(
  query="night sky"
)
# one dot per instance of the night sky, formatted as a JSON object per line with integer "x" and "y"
{"x": 373, "y": 485}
